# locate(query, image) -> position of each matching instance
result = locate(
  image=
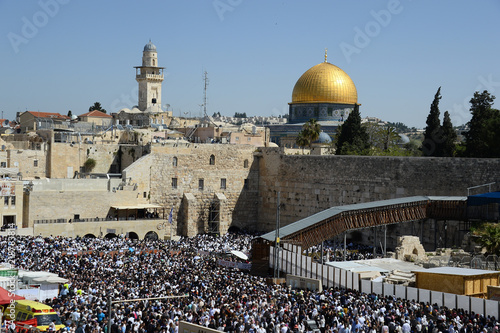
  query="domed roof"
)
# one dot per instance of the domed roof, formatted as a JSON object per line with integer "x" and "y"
{"x": 323, "y": 138}
{"x": 149, "y": 47}
{"x": 325, "y": 83}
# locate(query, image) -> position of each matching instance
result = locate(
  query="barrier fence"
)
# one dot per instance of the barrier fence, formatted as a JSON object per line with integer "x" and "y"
{"x": 291, "y": 261}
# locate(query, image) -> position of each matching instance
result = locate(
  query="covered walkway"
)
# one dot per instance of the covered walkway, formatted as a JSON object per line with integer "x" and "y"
{"x": 325, "y": 225}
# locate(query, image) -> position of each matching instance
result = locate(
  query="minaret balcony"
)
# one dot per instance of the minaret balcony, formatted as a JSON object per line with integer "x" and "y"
{"x": 149, "y": 76}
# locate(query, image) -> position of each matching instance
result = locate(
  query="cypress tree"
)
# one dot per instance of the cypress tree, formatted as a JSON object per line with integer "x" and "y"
{"x": 352, "y": 138}
{"x": 476, "y": 139}
{"x": 432, "y": 131}
{"x": 447, "y": 147}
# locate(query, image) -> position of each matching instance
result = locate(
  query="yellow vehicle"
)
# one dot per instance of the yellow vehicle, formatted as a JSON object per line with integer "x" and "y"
{"x": 26, "y": 310}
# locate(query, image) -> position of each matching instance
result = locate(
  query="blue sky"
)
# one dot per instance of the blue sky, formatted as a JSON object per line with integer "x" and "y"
{"x": 60, "y": 55}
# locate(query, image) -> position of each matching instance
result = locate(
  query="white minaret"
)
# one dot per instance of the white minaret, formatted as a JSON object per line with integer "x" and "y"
{"x": 149, "y": 76}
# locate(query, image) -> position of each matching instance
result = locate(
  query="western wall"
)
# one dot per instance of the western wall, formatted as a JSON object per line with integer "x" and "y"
{"x": 309, "y": 184}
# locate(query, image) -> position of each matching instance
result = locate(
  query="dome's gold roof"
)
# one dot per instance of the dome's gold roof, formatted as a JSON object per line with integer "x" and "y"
{"x": 325, "y": 83}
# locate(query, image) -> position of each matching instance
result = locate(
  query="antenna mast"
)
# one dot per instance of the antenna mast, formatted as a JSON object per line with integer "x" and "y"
{"x": 205, "y": 80}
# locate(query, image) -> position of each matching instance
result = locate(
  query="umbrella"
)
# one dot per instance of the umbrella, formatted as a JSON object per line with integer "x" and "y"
{"x": 239, "y": 254}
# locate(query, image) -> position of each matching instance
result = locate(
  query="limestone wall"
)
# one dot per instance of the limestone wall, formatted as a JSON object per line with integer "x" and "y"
{"x": 31, "y": 163}
{"x": 100, "y": 229}
{"x": 66, "y": 159}
{"x": 63, "y": 199}
{"x": 192, "y": 164}
{"x": 309, "y": 184}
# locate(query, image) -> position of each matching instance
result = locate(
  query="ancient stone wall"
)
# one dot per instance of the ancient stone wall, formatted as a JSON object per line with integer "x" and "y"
{"x": 309, "y": 184}
{"x": 190, "y": 165}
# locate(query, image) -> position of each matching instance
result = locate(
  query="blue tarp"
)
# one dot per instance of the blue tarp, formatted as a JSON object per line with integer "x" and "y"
{"x": 483, "y": 199}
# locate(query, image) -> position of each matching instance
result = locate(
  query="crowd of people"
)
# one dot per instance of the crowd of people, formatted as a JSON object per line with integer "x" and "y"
{"x": 335, "y": 251}
{"x": 206, "y": 293}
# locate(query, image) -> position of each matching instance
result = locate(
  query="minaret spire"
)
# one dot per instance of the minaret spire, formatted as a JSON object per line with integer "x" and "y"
{"x": 326, "y": 54}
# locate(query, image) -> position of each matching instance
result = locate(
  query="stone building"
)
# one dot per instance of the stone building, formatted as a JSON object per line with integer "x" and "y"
{"x": 97, "y": 118}
{"x": 32, "y": 120}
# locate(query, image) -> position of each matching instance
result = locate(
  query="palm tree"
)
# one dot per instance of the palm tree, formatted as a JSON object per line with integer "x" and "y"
{"x": 311, "y": 130}
{"x": 302, "y": 140}
{"x": 389, "y": 137}
{"x": 489, "y": 237}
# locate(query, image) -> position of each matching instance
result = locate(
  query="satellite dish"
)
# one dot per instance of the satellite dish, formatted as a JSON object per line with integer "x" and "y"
{"x": 74, "y": 117}
{"x": 5, "y": 123}
{"x": 9, "y": 131}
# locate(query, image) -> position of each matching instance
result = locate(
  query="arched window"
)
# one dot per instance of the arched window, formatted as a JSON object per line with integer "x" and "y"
{"x": 212, "y": 160}
{"x": 245, "y": 163}
{"x": 174, "y": 161}
{"x": 154, "y": 63}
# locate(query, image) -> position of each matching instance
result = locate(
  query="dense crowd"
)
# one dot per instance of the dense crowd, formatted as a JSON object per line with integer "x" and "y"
{"x": 335, "y": 251}
{"x": 210, "y": 295}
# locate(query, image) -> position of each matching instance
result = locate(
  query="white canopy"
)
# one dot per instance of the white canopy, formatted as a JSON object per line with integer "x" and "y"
{"x": 239, "y": 254}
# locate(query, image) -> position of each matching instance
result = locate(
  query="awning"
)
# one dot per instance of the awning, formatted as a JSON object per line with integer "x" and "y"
{"x": 50, "y": 279}
{"x": 138, "y": 206}
{"x": 483, "y": 199}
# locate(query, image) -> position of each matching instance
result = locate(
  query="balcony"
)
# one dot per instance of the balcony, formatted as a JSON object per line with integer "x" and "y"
{"x": 149, "y": 77}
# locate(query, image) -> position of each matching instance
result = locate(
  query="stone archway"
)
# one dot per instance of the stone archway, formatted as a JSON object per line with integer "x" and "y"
{"x": 89, "y": 236}
{"x": 151, "y": 235}
{"x": 110, "y": 235}
{"x": 132, "y": 235}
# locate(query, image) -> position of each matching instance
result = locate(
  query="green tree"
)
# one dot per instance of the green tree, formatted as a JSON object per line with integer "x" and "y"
{"x": 477, "y": 138}
{"x": 446, "y": 147}
{"x": 240, "y": 115}
{"x": 89, "y": 164}
{"x": 489, "y": 237}
{"x": 311, "y": 130}
{"x": 389, "y": 137}
{"x": 432, "y": 130}
{"x": 493, "y": 130}
{"x": 400, "y": 127}
{"x": 70, "y": 113}
{"x": 351, "y": 137}
{"x": 382, "y": 137}
{"x": 97, "y": 106}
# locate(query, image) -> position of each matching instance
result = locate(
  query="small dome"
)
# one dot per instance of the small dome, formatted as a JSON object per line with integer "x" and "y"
{"x": 149, "y": 47}
{"x": 323, "y": 138}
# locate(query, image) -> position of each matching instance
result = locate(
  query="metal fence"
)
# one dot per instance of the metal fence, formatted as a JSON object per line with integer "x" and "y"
{"x": 291, "y": 261}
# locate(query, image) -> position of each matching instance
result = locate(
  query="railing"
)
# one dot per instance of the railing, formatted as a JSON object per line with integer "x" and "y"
{"x": 96, "y": 219}
{"x": 291, "y": 261}
{"x": 150, "y": 76}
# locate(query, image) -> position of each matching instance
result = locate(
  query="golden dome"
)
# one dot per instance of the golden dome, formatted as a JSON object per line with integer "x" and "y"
{"x": 325, "y": 83}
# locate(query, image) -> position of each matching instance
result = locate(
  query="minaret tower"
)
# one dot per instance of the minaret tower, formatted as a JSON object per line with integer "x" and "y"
{"x": 149, "y": 76}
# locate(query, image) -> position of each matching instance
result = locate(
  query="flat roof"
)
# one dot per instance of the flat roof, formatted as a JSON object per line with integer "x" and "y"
{"x": 382, "y": 265}
{"x": 456, "y": 271}
{"x": 330, "y": 212}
